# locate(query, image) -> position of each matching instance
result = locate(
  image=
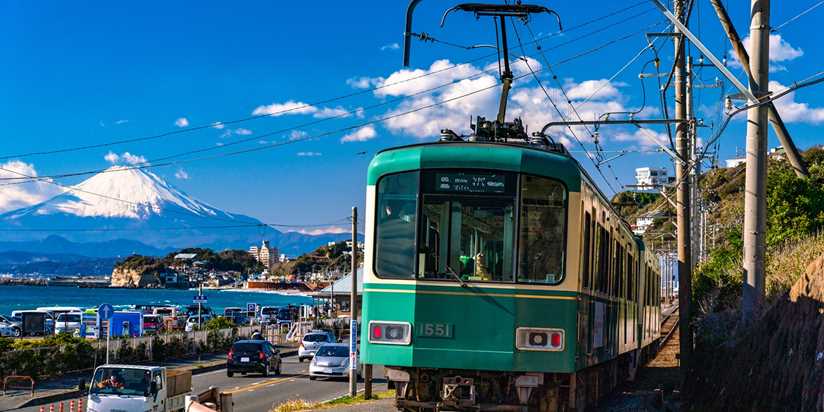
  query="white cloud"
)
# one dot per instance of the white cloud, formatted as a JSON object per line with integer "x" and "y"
{"x": 182, "y": 174}
{"x": 780, "y": 51}
{"x": 218, "y": 125}
{"x": 111, "y": 157}
{"x": 331, "y": 112}
{"x": 182, "y": 122}
{"x": 598, "y": 89}
{"x": 364, "y": 82}
{"x": 644, "y": 137}
{"x": 121, "y": 121}
{"x": 124, "y": 157}
{"x": 792, "y": 111}
{"x": 15, "y": 196}
{"x": 390, "y": 46}
{"x": 297, "y": 134}
{"x": 309, "y": 154}
{"x": 361, "y": 135}
{"x": 132, "y": 159}
{"x": 243, "y": 132}
{"x": 288, "y": 107}
{"x": 325, "y": 231}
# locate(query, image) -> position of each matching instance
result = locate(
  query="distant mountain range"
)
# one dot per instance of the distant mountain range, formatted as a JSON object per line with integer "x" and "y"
{"x": 123, "y": 211}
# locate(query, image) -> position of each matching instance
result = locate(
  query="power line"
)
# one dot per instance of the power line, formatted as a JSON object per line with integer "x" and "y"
{"x": 797, "y": 16}
{"x": 307, "y": 105}
{"x": 324, "y": 134}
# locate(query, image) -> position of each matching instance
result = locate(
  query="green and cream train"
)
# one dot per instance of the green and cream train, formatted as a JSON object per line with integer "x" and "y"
{"x": 498, "y": 277}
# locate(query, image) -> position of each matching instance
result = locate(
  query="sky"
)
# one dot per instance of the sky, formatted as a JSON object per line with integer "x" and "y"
{"x": 89, "y": 73}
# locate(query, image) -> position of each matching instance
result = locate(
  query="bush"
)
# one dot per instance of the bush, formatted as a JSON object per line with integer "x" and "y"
{"x": 218, "y": 323}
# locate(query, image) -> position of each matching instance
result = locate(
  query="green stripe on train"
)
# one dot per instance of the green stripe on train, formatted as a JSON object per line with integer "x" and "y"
{"x": 476, "y": 156}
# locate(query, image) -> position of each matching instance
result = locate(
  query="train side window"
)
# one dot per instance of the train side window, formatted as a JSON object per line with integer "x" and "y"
{"x": 603, "y": 259}
{"x": 397, "y": 201}
{"x": 541, "y": 233}
{"x": 586, "y": 252}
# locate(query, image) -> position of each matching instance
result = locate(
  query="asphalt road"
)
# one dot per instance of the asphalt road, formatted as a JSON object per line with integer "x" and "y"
{"x": 254, "y": 393}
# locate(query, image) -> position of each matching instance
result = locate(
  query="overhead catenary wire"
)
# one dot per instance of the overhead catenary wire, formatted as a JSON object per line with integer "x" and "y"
{"x": 797, "y": 16}
{"x": 333, "y": 132}
{"x": 295, "y": 108}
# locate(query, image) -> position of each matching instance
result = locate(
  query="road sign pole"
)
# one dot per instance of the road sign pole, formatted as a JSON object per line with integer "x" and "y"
{"x": 108, "y": 335}
{"x": 353, "y": 309}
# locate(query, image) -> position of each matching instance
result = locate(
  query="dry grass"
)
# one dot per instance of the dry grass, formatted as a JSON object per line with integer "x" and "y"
{"x": 786, "y": 263}
{"x": 299, "y": 405}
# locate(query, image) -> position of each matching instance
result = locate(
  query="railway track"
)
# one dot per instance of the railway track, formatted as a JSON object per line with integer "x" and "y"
{"x": 668, "y": 326}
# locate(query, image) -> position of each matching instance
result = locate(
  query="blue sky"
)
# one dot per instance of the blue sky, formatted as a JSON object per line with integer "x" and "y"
{"x": 80, "y": 73}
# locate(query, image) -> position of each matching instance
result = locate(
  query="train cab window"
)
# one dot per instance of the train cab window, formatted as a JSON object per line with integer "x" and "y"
{"x": 541, "y": 235}
{"x": 395, "y": 225}
{"x": 467, "y": 226}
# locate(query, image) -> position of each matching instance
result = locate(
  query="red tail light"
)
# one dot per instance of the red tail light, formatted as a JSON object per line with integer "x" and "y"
{"x": 261, "y": 356}
{"x": 555, "y": 339}
{"x": 231, "y": 354}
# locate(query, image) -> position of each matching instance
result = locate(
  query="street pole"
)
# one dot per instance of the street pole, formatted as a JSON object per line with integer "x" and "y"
{"x": 108, "y": 335}
{"x": 793, "y": 156}
{"x": 755, "y": 183}
{"x": 682, "y": 199}
{"x": 199, "y": 303}
{"x": 353, "y": 309}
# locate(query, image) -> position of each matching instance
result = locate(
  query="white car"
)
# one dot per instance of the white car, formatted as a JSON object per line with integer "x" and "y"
{"x": 311, "y": 342}
{"x": 7, "y": 329}
{"x": 68, "y": 322}
{"x": 192, "y": 322}
{"x": 331, "y": 361}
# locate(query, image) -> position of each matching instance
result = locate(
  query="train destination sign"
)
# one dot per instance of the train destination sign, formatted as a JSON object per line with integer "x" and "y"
{"x": 460, "y": 182}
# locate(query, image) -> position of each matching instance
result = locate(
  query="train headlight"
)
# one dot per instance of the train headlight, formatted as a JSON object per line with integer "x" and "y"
{"x": 390, "y": 333}
{"x": 539, "y": 339}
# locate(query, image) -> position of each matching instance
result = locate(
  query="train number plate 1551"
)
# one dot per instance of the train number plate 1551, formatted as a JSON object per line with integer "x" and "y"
{"x": 434, "y": 330}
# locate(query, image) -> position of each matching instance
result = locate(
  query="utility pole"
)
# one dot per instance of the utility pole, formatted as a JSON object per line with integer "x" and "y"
{"x": 682, "y": 199}
{"x": 793, "y": 156}
{"x": 692, "y": 132}
{"x": 755, "y": 183}
{"x": 353, "y": 308}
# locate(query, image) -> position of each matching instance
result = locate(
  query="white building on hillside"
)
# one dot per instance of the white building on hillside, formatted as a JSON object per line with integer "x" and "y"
{"x": 648, "y": 178}
{"x": 265, "y": 254}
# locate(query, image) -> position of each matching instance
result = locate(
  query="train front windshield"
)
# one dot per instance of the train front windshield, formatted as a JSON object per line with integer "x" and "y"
{"x": 473, "y": 225}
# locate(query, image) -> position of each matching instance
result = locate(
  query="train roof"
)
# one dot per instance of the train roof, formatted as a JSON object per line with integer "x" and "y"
{"x": 476, "y": 155}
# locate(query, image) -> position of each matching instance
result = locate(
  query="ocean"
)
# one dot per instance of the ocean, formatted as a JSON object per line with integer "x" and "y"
{"x": 30, "y": 297}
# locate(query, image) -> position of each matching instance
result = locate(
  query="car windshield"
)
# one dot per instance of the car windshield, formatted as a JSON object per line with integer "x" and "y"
{"x": 121, "y": 381}
{"x": 333, "y": 351}
{"x": 68, "y": 318}
{"x": 163, "y": 311}
{"x": 268, "y": 311}
{"x": 246, "y": 347}
{"x": 316, "y": 337}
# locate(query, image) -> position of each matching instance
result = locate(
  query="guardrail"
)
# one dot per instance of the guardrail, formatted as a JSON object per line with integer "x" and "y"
{"x": 19, "y": 378}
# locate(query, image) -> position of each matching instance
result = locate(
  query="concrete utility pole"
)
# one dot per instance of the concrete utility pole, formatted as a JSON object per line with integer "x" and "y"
{"x": 755, "y": 183}
{"x": 353, "y": 309}
{"x": 793, "y": 156}
{"x": 682, "y": 199}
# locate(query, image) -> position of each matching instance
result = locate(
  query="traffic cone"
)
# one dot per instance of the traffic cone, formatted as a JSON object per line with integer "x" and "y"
{"x": 80, "y": 405}
{"x": 62, "y": 407}
{"x": 42, "y": 409}
{"x": 51, "y": 408}
{"x": 71, "y": 405}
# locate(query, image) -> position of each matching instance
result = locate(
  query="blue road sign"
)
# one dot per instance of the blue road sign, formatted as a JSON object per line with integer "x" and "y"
{"x": 200, "y": 299}
{"x": 251, "y": 307}
{"x": 353, "y": 345}
{"x": 105, "y": 311}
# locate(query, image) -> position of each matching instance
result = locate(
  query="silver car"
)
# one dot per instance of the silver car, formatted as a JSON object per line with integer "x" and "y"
{"x": 331, "y": 361}
{"x": 310, "y": 343}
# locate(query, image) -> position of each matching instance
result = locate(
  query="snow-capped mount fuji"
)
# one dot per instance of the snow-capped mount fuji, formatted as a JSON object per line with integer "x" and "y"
{"x": 136, "y": 204}
{"x": 123, "y": 192}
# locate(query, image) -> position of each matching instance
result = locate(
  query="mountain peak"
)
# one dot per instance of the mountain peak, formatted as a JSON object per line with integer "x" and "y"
{"x": 122, "y": 192}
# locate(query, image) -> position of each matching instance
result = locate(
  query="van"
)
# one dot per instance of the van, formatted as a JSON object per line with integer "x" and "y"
{"x": 68, "y": 322}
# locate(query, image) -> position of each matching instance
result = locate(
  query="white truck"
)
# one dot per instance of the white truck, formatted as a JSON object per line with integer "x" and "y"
{"x": 136, "y": 388}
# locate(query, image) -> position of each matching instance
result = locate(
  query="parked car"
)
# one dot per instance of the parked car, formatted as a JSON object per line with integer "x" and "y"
{"x": 331, "y": 361}
{"x": 268, "y": 314}
{"x": 247, "y": 356}
{"x": 14, "y": 324}
{"x": 152, "y": 324}
{"x": 192, "y": 323}
{"x": 7, "y": 329}
{"x": 236, "y": 315}
{"x": 311, "y": 342}
{"x": 68, "y": 322}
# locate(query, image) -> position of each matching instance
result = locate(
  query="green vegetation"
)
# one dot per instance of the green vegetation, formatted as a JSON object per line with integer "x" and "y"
{"x": 322, "y": 259}
{"x": 218, "y": 323}
{"x": 228, "y": 260}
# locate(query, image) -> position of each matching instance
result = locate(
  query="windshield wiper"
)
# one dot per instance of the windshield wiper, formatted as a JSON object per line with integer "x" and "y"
{"x": 455, "y": 275}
